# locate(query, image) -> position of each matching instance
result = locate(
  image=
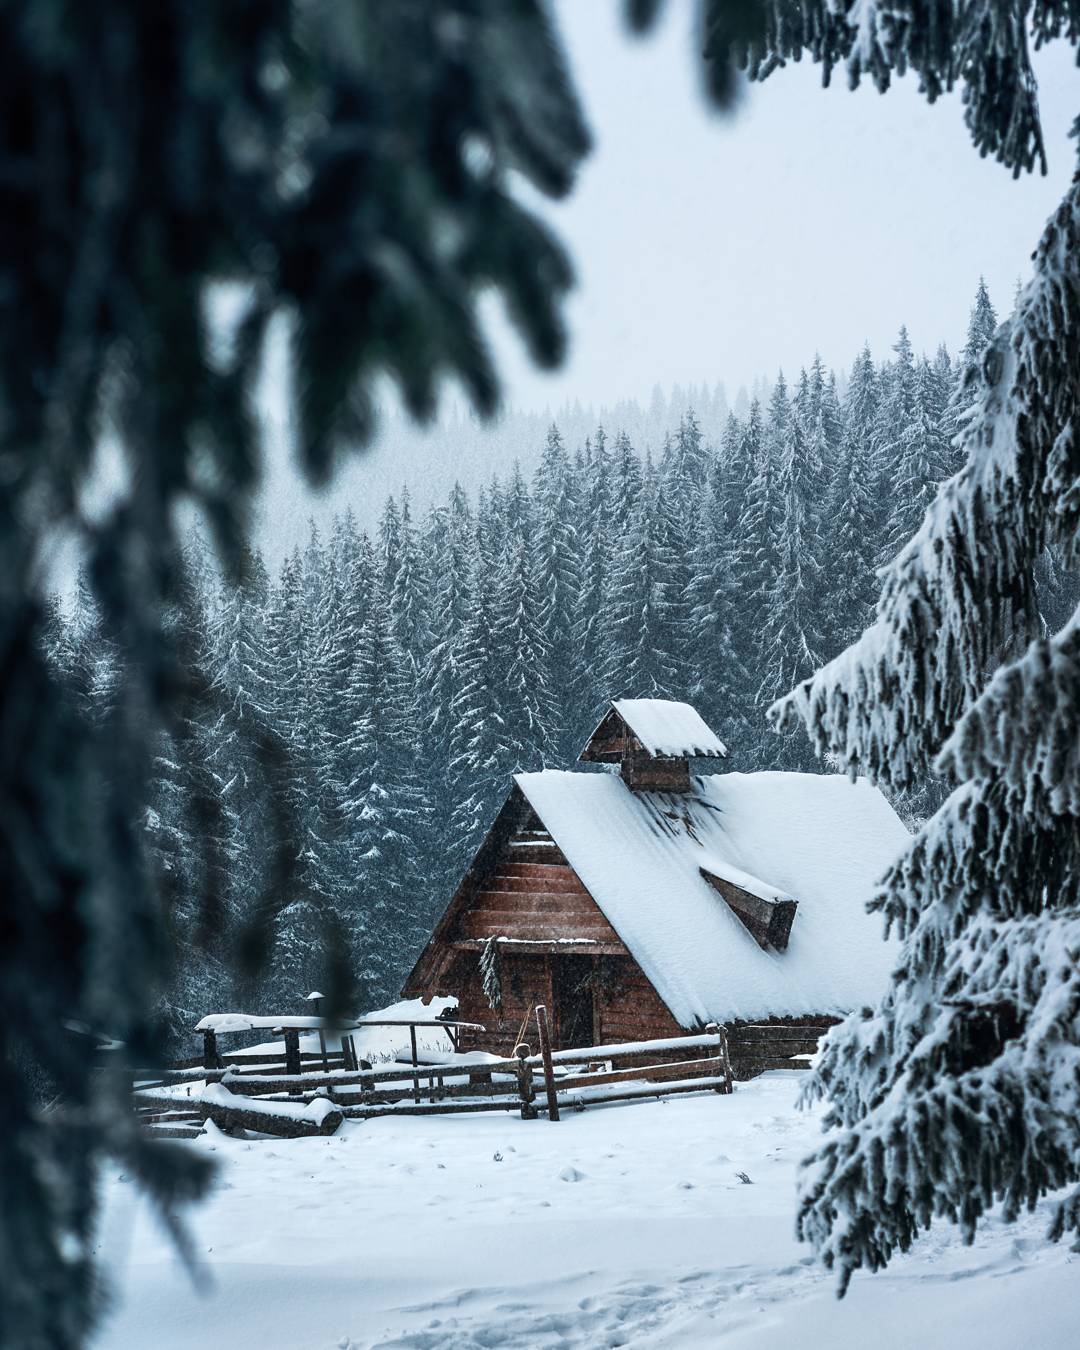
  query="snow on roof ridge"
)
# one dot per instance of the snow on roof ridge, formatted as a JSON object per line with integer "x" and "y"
{"x": 669, "y": 727}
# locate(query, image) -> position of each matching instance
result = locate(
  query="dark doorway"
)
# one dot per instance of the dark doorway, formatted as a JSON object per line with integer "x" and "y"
{"x": 572, "y": 991}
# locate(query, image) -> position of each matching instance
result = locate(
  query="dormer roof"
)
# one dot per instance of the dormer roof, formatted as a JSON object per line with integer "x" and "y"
{"x": 666, "y": 729}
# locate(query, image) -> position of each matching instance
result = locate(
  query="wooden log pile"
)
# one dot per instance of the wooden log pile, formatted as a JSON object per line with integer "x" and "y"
{"x": 755, "y": 1047}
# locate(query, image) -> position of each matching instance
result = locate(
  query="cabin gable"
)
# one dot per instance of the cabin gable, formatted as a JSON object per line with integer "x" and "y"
{"x": 555, "y": 946}
{"x": 519, "y": 888}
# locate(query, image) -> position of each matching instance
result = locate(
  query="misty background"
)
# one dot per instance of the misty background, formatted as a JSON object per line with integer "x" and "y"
{"x": 849, "y": 222}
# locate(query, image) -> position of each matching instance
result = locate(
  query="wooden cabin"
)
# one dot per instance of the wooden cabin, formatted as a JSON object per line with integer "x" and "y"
{"x": 651, "y": 900}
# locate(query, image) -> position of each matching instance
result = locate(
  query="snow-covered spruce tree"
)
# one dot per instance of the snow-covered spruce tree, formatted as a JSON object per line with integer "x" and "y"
{"x": 718, "y": 639}
{"x": 962, "y": 1088}
{"x": 557, "y": 567}
{"x": 852, "y": 516}
{"x": 592, "y": 618}
{"x": 477, "y": 743}
{"x": 276, "y": 147}
{"x": 525, "y": 702}
{"x": 982, "y": 325}
{"x": 789, "y": 639}
{"x": 639, "y": 662}
{"x": 409, "y": 612}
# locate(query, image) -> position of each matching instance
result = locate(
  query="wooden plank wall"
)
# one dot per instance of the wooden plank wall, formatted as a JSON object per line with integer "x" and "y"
{"x": 526, "y": 982}
{"x": 767, "y": 1042}
{"x": 537, "y": 901}
{"x": 630, "y": 1009}
{"x": 528, "y": 891}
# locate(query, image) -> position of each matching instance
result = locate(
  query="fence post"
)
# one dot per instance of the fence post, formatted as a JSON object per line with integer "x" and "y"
{"x": 545, "y": 1054}
{"x": 316, "y": 998}
{"x": 525, "y": 1082}
{"x": 211, "y": 1060}
{"x": 292, "y": 1051}
{"x": 727, "y": 1087}
{"x": 415, "y": 1060}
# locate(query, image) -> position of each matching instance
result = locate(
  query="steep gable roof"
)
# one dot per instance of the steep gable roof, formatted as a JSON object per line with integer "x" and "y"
{"x": 818, "y": 838}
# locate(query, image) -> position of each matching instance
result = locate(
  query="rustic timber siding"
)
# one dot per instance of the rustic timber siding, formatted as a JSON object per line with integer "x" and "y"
{"x": 526, "y": 982}
{"x": 540, "y": 902}
{"x": 630, "y": 1009}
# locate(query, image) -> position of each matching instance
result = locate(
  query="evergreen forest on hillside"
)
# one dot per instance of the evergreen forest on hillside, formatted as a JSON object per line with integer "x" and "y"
{"x": 366, "y": 707}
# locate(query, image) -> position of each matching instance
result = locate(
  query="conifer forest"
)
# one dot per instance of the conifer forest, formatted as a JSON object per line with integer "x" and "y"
{"x": 408, "y": 673}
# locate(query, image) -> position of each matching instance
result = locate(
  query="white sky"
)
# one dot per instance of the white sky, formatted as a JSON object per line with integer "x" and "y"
{"x": 713, "y": 248}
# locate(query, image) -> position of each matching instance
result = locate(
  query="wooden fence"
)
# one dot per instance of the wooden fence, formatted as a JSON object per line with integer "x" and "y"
{"x": 294, "y": 1093}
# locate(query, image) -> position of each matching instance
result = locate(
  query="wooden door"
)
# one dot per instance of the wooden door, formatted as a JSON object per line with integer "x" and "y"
{"x": 572, "y": 994}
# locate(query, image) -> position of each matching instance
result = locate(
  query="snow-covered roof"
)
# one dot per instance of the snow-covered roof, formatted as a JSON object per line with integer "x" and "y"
{"x": 820, "y": 839}
{"x": 665, "y": 727}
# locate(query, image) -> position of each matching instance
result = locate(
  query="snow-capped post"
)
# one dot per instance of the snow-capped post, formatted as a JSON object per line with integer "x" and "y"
{"x": 545, "y": 1055}
{"x": 315, "y": 998}
{"x": 525, "y": 1082}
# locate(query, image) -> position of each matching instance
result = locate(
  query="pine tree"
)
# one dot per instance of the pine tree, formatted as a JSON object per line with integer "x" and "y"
{"x": 639, "y": 663}
{"x": 918, "y": 456}
{"x": 974, "y": 1044}
{"x": 982, "y": 325}
{"x": 790, "y": 643}
{"x": 408, "y": 611}
{"x": 526, "y": 703}
{"x": 852, "y": 515}
{"x": 478, "y": 753}
{"x": 153, "y": 178}
{"x": 449, "y": 543}
{"x": 557, "y": 568}
{"x": 385, "y": 811}
{"x": 901, "y": 467}
{"x": 719, "y": 641}
{"x": 592, "y": 619}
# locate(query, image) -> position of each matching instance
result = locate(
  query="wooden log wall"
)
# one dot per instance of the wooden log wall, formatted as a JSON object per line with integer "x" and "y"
{"x": 628, "y": 1008}
{"x": 758, "y": 1046}
{"x": 538, "y": 901}
{"x": 526, "y": 981}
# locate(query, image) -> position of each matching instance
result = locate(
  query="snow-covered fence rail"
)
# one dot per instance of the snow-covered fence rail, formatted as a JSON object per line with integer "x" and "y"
{"x": 311, "y": 1093}
{"x": 646, "y": 1076}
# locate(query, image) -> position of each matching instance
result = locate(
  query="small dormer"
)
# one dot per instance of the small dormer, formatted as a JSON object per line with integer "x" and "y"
{"x": 653, "y": 741}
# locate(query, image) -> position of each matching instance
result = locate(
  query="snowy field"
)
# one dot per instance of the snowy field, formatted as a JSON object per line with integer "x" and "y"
{"x": 621, "y": 1226}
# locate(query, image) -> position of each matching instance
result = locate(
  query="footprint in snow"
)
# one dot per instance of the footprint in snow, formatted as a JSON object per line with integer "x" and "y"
{"x": 571, "y": 1174}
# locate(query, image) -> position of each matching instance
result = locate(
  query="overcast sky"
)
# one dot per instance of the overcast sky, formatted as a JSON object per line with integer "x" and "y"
{"x": 713, "y": 248}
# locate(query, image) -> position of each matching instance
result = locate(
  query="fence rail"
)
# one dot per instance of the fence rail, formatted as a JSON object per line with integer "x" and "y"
{"x": 311, "y": 1092}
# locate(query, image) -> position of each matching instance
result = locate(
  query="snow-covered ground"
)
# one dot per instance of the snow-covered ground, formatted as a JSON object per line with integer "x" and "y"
{"x": 622, "y": 1226}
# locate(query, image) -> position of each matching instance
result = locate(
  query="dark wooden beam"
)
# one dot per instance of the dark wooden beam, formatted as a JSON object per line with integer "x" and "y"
{"x": 767, "y": 921}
